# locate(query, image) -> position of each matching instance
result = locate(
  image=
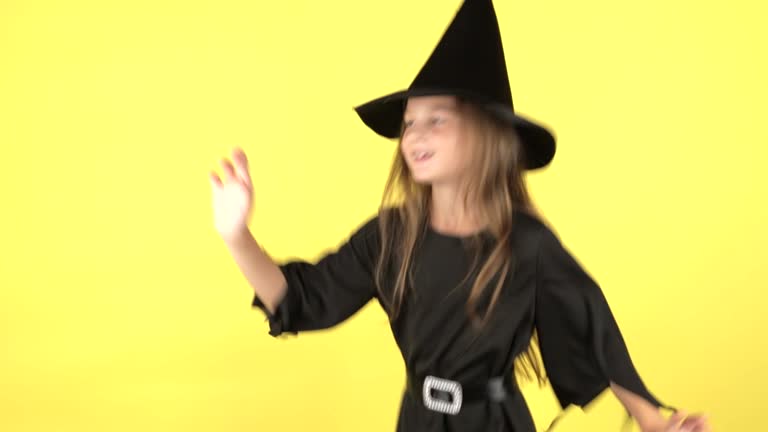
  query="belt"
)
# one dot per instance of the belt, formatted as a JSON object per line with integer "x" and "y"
{"x": 447, "y": 396}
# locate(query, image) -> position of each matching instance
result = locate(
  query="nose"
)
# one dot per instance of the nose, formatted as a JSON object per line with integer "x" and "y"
{"x": 415, "y": 134}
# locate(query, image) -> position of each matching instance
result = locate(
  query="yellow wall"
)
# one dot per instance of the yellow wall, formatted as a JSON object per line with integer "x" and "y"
{"x": 120, "y": 308}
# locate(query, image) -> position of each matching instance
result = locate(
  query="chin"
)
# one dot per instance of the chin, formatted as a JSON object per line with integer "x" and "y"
{"x": 423, "y": 179}
{"x": 425, "y": 175}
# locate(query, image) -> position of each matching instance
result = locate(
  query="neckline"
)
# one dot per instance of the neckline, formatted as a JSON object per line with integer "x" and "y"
{"x": 455, "y": 237}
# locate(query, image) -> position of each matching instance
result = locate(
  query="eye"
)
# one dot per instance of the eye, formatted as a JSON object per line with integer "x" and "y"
{"x": 437, "y": 120}
{"x": 407, "y": 124}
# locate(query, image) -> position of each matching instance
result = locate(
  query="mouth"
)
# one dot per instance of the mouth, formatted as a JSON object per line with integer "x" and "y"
{"x": 422, "y": 156}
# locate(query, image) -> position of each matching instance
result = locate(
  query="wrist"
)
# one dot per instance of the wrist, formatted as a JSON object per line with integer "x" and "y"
{"x": 653, "y": 424}
{"x": 237, "y": 237}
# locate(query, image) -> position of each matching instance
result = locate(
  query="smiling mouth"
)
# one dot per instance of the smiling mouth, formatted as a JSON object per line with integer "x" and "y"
{"x": 422, "y": 156}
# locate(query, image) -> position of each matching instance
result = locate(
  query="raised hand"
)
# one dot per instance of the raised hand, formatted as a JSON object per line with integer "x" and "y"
{"x": 681, "y": 422}
{"x": 232, "y": 197}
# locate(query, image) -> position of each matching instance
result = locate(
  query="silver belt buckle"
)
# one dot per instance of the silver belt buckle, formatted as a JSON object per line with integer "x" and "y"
{"x": 442, "y": 384}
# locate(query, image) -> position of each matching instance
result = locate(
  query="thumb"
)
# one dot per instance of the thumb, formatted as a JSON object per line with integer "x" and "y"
{"x": 675, "y": 420}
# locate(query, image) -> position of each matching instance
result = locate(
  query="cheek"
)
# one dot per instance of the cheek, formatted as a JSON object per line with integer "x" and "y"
{"x": 408, "y": 140}
{"x": 403, "y": 144}
{"x": 460, "y": 156}
{"x": 454, "y": 148}
{"x": 446, "y": 140}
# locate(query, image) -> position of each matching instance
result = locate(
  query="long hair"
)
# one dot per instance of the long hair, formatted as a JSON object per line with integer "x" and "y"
{"x": 495, "y": 188}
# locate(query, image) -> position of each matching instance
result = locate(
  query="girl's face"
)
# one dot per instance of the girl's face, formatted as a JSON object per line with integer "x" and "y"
{"x": 434, "y": 143}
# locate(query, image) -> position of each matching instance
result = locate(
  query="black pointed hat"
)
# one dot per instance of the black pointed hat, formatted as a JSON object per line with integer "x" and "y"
{"x": 468, "y": 62}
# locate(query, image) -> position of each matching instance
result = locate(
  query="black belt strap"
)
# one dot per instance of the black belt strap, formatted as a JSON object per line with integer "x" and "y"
{"x": 495, "y": 389}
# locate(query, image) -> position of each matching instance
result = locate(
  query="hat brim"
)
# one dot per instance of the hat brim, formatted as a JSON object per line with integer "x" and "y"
{"x": 384, "y": 116}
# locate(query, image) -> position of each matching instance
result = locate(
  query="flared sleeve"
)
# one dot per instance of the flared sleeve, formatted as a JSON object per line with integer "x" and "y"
{"x": 324, "y": 293}
{"x": 582, "y": 348}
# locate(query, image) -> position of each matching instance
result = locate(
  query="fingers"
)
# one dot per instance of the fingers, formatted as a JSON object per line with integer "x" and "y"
{"x": 241, "y": 166}
{"x": 229, "y": 170}
{"x": 237, "y": 170}
{"x": 696, "y": 423}
{"x": 677, "y": 417}
{"x": 674, "y": 421}
{"x": 680, "y": 421}
{"x": 214, "y": 179}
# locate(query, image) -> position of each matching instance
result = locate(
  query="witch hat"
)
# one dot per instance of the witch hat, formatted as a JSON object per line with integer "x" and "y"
{"x": 468, "y": 62}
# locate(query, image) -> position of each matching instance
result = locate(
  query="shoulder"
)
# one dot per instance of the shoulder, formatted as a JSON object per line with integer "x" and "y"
{"x": 539, "y": 241}
{"x": 526, "y": 220}
{"x": 532, "y": 230}
{"x": 370, "y": 229}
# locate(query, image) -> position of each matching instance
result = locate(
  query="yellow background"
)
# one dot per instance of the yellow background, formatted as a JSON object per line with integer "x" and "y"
{"x": 120, "y": 309}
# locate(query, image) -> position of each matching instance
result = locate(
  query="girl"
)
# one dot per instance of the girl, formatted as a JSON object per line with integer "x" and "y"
{"x": 474, "y": 283}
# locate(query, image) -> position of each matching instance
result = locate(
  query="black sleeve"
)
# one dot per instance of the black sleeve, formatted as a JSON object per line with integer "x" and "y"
{"x": 581, "y": 345}
{"x": 322, "y": 294}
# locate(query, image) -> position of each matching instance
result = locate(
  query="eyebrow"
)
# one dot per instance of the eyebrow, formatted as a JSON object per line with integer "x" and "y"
{"x": 438, "y": 108}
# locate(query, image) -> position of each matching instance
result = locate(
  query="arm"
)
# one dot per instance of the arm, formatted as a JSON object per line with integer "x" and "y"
{"x": 295, "y": 295}
{"x": 311, "y": 295}
{"x": 232, "y": 203}
{"x": 261, "y": 272}
{"x": 648, "y": 417}
{"x": 582, "y": 346}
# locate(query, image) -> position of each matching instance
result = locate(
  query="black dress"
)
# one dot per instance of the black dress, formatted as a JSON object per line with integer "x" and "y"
{"x": 580, "y": 343}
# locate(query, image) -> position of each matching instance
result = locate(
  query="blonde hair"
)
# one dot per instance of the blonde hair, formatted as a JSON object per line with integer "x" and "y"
{"x": 496, "y": 187}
